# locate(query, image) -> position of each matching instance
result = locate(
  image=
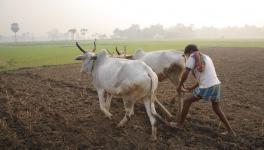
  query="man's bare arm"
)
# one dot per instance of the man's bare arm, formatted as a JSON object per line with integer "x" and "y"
{"x": 183, "y": 79}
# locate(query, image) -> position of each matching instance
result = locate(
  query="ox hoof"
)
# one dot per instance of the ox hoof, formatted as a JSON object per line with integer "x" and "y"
{"x": 122, "y": 123}
{"x": 153, "y": 138}
{"x": 109, "y": 116}
{"x": 188, "y": 116}
{"x": 132, "y": 113}
{"x": 228, "y": 133}
{"x": 175, "y": 125}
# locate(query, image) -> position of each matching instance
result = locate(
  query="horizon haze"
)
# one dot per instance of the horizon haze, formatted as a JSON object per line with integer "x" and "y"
{"x": 38, "y": 17}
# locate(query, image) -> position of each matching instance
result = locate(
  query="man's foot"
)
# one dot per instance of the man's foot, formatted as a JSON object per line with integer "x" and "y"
{"x": 228, "y": 133}
{"x": 175, "y": 125}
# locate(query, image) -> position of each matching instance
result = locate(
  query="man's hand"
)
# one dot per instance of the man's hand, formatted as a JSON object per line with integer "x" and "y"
{"x": 183, "y": 78}
{"x": 179, "y": 89}
{"x": 191, "y": 88}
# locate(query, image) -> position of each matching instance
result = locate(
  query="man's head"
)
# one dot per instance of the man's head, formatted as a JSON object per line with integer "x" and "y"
{"x": 190, "y": 49}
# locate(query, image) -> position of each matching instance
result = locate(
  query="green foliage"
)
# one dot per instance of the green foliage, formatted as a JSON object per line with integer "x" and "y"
{"x": 13, "y": 56}
{"x": 14, "y": 27}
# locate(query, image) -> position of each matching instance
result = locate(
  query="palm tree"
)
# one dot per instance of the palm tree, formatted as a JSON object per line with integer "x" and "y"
{"x": 83, "y": 32}
{"x": 72, "y": 31}
{"x": 15, "y": 28}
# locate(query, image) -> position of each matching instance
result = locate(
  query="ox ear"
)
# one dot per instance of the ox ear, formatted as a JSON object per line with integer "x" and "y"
{"x": 80, "y": 57}
{"x": 94, "y": 57}
{"x": 129, "y": 56}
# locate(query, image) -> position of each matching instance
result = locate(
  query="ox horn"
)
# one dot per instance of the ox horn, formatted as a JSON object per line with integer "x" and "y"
{"x": 117, "y": 51}
{"x": 94, "y": 48}
{"x": 125, "y": 52}
{"x": 109, "y": 52}
{"x": 80, "y": 48}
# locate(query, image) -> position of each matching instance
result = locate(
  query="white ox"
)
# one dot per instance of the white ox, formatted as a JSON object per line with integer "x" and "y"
{"x": 133, "y": 80}
{"x": 167, "y": 64}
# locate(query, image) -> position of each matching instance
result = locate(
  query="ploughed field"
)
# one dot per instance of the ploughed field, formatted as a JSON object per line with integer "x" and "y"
{"x": 57, "y": 108}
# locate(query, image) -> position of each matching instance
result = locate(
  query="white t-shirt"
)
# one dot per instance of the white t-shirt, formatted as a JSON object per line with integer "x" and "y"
{"x": 207, "y": 77}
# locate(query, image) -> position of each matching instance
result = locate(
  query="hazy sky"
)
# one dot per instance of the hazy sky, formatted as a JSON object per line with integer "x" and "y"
{"x": 103, "y": 16}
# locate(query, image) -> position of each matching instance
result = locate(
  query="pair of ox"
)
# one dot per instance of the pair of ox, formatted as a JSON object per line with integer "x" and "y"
{"x": 133, "y": 80}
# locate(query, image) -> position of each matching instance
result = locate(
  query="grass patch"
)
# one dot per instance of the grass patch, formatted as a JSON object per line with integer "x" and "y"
{"x": 20, "y": 55}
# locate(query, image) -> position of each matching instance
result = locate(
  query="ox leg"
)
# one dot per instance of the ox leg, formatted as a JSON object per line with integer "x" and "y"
{"x": 101, "y": 93}
{"x": 174, "y": 99}
{"x": 132, "y": 110}
{"x": 152, "y": 118}
{"x": 174, "y": 77}
{"x": 180, "y": 103}
{"x": 108, "y": 101}
{"x": 128, "y": 104}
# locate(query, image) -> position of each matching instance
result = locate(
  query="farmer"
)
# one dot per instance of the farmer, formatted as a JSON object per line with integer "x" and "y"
{"x": 206, "y": 88}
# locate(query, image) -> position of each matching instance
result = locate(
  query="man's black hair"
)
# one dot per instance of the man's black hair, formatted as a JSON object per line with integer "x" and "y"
{"x": 190, "y": 48}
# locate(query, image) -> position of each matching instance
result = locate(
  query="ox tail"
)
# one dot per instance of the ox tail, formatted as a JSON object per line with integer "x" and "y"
{"x": 153, "y": 98}
{"x": 153, "y": 86}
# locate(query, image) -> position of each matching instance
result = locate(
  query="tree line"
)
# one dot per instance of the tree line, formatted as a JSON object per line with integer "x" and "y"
{"x": 55, "y": 34}
{"x": 157, "y": 31}
{"x": 181, "y": 31}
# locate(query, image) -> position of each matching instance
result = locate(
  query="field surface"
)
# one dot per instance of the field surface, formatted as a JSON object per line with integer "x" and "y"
{"x": 57, "y": 108}
{"x": 20, "y": 55}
